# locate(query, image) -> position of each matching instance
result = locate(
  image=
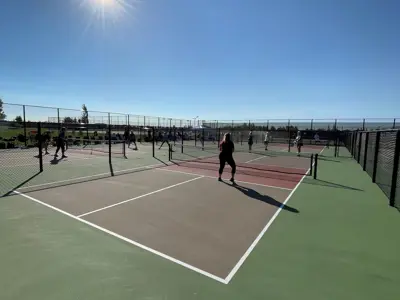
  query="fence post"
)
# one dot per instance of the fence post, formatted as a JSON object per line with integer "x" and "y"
{"x": 363, "y": 128}
{"x": 394, "y": 123}
{"x": 334, "y": 125}
{"x": 288, "y": 135}
{"x": 312, "y": 121}
{"x": 25, "y": 139}
{"x": 359, "y": 147}
{"x": 377, "y": 141}
{"x": 154, "y": 141}
{"x": 395, "y": 170}
{"x": 366, "y": 151}
{"x": 39, "y": 141}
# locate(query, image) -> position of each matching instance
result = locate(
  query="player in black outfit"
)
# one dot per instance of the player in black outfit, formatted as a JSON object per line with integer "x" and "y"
{"x": 250, "y": 141}
{"x": 46, "y": 142}
{"x": 226, "y": 156}
{"x": 61, "y": 143}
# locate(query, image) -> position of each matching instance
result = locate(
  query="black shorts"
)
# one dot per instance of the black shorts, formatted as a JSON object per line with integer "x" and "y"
{"x": 300, "y": 144}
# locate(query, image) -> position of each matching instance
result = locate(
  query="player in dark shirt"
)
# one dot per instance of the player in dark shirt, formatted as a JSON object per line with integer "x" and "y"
{"x": 250, "y": 141}
{"x": 61, "y": 143}
{"x": 226, "y": 156}
{"x": 132, "y": 140}
{"x": 46, "y": 141}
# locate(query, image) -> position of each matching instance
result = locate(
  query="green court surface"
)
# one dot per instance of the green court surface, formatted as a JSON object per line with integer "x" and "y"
{"x": 343, "y": 243}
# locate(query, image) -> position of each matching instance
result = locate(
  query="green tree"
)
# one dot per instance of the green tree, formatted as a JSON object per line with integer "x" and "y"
{"x": 68, "y": 120}
{"x": 85, "y": 115}
{"x": 3, "y": 115}
{"x": 18, "y": 119}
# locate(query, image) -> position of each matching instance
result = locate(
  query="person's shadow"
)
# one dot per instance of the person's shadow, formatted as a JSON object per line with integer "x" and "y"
{"x": 264, "y": 198}
{"x": 56, "y": 160}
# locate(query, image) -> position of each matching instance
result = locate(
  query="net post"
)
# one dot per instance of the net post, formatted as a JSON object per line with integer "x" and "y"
{"x": 311, "y": 165}
{"x": 25, "y": 139}
{"x": 203, "y": 139}
{"x": 39, "y": 140}
{"x": 169, "y": 152}
{"x": 109, "y": 139}
{"x": 182, "y": 141}
{"x": 377, "y": 142}
{"x": 395, "y": 170}
{"x": 338, "y": 148}
{"x": 154, "y": 141}
{"x": 315, "y": 166}
{"x": 124, "y": 148}
{"x": 195, "y": 137}
{"x": 359, "y": 147}
{"x": 366, "y": 151}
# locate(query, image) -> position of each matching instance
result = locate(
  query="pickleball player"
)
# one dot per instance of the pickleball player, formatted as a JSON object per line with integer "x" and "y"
{"x": 226, "y": 156}
{"x": 60, "y": 143}
{"x": 299, "y": 142}
{"x": 46, "y": 142}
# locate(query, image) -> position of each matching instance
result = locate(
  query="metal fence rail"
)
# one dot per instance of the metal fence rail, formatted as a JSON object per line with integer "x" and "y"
{"x": 378, "y": 152}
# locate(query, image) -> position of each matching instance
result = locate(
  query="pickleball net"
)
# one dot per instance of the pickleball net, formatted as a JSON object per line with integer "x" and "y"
{"x": 96, "y": 147}
{"x": 274, "y": 164}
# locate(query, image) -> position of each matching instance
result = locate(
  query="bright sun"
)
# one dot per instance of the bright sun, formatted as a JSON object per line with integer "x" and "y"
{"x": 108, "y": 10}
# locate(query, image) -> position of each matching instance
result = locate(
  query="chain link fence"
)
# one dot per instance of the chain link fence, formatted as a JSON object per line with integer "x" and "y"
{"x": 378, "y": 152}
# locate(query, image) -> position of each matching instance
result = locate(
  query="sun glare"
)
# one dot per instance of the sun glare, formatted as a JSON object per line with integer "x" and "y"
{"x": 108, "y": 10}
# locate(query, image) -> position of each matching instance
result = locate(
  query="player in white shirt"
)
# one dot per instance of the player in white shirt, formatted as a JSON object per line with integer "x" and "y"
{"x": 299, "y": 142}
{"x": 316, "y": 138}
{"x": 266, "y": 140}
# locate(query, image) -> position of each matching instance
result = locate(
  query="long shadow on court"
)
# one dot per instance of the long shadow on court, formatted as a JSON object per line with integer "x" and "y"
{"x": 263, "y": 198}
{"x": 329, "y": 184}
{"x": 11, "y": 191}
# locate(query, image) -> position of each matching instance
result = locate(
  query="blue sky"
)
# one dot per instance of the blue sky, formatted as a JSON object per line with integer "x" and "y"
{"x": 216, "y": 59}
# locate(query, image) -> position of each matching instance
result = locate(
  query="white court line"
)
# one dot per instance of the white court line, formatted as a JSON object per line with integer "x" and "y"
{"x": 170, "y": 258}
{"x": 254, "y": 159}
{"x": 138, "y": 197}
{"x": 215, "y": 177}
{"x": 90, "y": 176}
{"x": 257, "y": 158}
{"x": 261, "y": 234}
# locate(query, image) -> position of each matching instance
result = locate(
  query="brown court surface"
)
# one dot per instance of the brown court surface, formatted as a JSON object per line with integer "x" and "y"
{"x": 194, "y": 219}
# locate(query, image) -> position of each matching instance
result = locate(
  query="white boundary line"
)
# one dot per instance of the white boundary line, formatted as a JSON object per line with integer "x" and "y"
{"x": 261, "y": 234}
{"x": 170, "y": 258}
{"x": 138, "y": 197}
{"x": 254, "y": 159}
{"x": 215, "y": 177}
{"x": 90, "y": 176}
